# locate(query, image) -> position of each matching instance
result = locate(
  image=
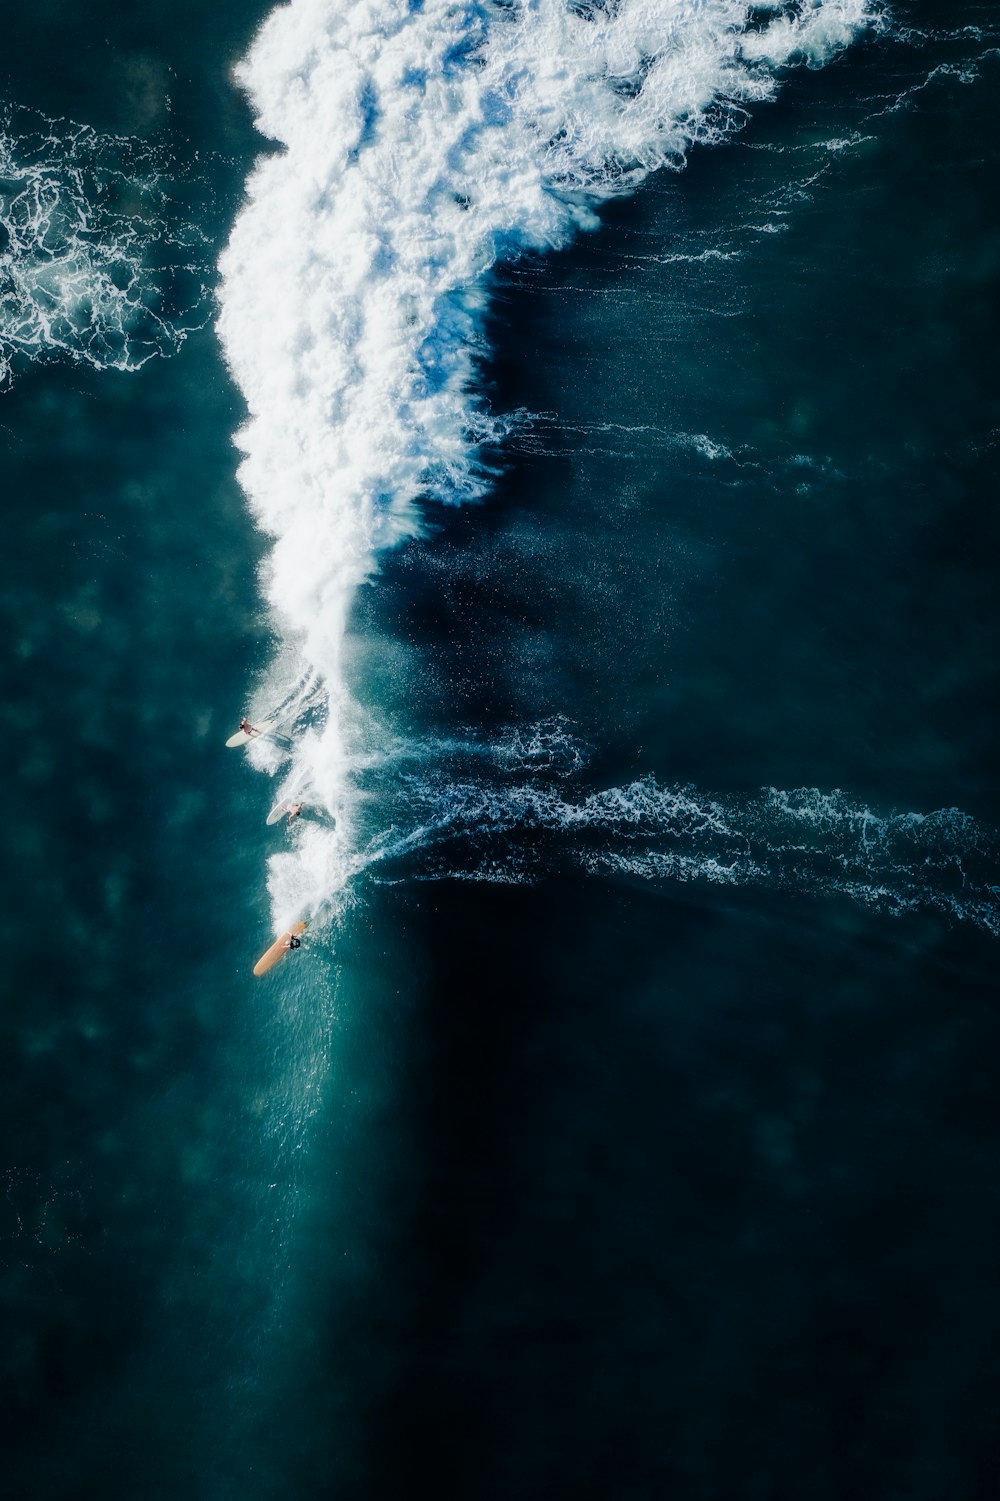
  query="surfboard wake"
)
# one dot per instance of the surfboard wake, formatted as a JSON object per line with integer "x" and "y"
{"x": 503, "y": 827}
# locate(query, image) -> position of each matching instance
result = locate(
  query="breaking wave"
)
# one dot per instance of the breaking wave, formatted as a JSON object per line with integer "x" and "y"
{"x": 424, "y": 142}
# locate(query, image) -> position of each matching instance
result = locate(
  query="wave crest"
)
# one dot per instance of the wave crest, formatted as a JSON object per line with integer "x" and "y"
{"x": 422, "y": 144}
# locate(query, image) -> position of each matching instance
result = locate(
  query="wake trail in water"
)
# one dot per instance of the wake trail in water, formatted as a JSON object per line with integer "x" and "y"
{"x": 423, "y": 144}
{"x": 518, "y": 810}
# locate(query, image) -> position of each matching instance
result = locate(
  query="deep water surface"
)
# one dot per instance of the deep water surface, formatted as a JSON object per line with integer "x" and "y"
{"x": 609, "y": 1175}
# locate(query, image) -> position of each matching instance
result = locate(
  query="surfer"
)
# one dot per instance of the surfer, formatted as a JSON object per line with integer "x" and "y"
{"x": 248, "y": 731}
{"x": 284, "y": 810}
{"x": 286, "y": 943}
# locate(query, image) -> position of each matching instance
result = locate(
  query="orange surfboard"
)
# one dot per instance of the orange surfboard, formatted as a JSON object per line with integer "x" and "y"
{"x": 278, "y": 949}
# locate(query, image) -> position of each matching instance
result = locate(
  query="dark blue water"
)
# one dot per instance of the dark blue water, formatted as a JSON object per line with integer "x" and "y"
{"x": 662, "y": 1159}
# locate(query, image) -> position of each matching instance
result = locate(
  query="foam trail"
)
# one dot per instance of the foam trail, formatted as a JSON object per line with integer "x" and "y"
{"x": 421, "y": 144}
{"x": 96, "y": 266}
{"x": 495, "y": 823}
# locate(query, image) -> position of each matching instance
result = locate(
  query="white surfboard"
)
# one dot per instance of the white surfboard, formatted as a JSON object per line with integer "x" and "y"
{"x": 280, "y": 810}
{"x": 243, "y": 736}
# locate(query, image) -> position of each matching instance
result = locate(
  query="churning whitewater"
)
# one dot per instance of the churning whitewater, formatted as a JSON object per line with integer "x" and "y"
{"x": 96, "y": 265}
{"x": 421, "y": 145}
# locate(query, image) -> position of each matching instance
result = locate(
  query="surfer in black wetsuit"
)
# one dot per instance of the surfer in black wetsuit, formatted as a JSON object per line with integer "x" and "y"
{"x": 294, "y": 943}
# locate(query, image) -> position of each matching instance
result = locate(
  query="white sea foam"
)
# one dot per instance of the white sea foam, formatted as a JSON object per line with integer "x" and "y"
{"x": 95, "y": 264}
{"x": 421, "y": 144}
{"x": 495, "y": 823}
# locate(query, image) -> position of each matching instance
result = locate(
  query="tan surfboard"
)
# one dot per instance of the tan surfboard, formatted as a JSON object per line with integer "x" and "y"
{"x": 279, "y": 948}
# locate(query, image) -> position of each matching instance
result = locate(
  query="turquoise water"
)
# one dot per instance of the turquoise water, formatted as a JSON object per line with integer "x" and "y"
{"x": 627, "y": 1123}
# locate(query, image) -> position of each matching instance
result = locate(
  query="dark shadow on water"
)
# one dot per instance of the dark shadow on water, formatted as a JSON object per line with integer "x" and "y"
{"x": 682, "y": 1207}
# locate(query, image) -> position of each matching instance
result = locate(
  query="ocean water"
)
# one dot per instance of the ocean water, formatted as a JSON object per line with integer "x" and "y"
{"x": 578, "y": 425}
